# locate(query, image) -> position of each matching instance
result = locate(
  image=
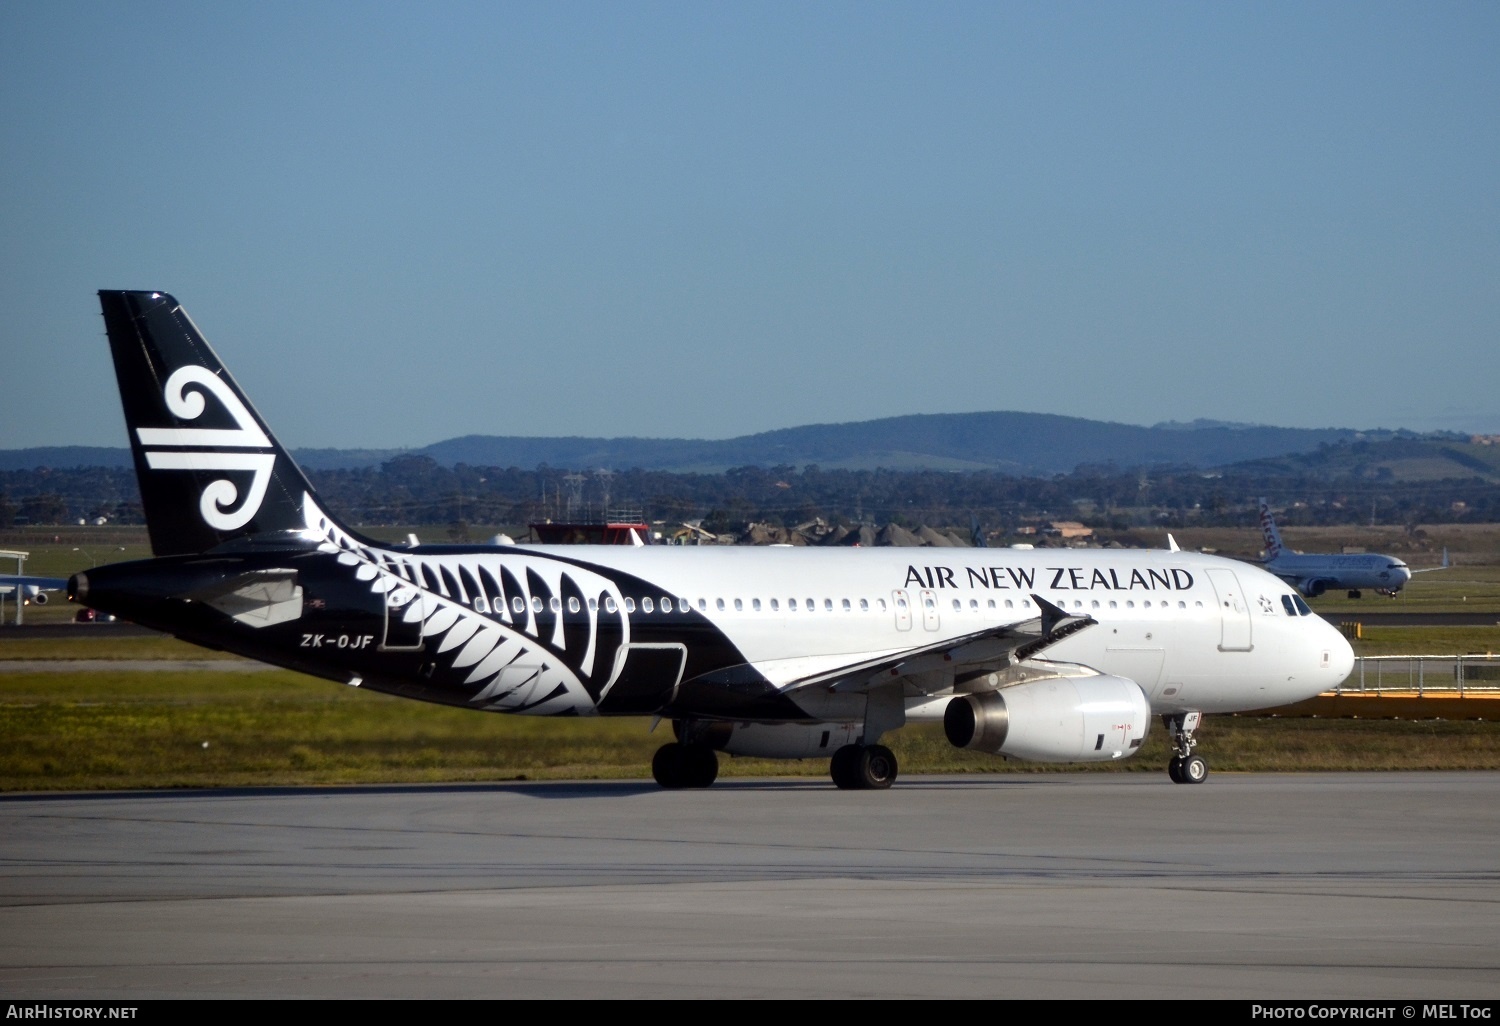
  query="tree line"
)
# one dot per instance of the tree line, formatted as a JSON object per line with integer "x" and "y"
{"x": 416, "y": 490}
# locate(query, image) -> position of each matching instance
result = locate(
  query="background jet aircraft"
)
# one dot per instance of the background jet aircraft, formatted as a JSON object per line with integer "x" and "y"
{"x": 28, "y": 590}
{"x": 32, "y": 589}
{"x": 1314, "y": 573}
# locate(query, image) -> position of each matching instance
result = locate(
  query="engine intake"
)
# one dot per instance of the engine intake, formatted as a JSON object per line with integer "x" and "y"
{"x": 1055, "y": 719}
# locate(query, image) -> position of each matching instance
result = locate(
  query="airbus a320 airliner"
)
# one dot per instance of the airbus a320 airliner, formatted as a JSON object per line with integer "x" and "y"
{"x": 1314, "y": 573}
{"x": 1056, "y": 655}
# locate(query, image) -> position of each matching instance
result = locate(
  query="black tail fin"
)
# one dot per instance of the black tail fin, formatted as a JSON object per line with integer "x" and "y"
{"x": 208, "y": 468}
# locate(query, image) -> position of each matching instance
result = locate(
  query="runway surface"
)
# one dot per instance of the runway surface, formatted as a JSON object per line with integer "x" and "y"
{"x": 1068, "y": 885}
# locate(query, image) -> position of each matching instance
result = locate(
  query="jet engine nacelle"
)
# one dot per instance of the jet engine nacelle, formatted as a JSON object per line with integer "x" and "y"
{"x": 782, "y": 740}
{"x": 1055, "y": 719}
{"x": 1314, "y": 588}
{"x": 35, "y": 595}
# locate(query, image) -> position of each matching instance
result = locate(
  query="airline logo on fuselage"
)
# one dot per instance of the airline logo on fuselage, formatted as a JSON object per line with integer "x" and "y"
{"x": 231, "y": 449}
{"x": 1055, "y": 578}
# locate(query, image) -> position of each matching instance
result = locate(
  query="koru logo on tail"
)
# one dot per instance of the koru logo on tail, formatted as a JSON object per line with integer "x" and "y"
{"x": 212, "y": 448}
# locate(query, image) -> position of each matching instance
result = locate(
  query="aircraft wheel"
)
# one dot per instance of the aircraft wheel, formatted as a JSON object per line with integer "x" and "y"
{"x": 1174, "y": 769}
{"x": 842, "y": 768}
{"x": 1354, "y": 593}
{"x": 1194, "y": 770}
{"x": 700, "y": 765}
{"x": 877, "y": 767}
{"x": 669, "y": 765}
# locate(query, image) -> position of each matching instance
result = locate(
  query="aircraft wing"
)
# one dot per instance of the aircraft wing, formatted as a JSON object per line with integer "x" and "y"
{"x": 969, "y": 655}
{"x": 1428, "y": 569}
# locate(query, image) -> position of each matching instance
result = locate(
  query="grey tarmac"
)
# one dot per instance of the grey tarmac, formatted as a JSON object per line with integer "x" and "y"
{"x": 1065, "y": 885}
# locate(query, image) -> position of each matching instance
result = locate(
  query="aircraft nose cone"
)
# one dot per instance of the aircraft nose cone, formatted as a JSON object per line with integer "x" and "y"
{"x": 1340, "y": 656}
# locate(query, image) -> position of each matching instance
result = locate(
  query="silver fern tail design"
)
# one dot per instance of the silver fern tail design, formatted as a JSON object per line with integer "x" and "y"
{"x": 494, "y": 624}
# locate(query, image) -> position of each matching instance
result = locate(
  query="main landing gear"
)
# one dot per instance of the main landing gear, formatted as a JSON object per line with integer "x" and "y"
{"x": 677, "y": 765}
{"x": 1185, "y": 767}
{"x": 863, "y": 768}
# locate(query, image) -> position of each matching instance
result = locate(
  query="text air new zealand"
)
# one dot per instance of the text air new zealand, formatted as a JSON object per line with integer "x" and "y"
{"x": 1057, "y": 655}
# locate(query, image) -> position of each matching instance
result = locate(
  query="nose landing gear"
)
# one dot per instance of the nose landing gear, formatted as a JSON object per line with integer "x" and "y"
{"x": 1185, "y": 767}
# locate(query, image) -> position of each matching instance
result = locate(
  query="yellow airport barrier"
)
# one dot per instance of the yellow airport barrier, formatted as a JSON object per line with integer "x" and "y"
{"x": 1454, "y": 687}
{"x": 1394, "y": 705}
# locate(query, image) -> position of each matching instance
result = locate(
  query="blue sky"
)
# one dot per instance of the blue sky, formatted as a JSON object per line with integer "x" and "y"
{"x": 402, "y": 223}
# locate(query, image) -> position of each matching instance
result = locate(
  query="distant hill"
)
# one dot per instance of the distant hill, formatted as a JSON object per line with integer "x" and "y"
{"x": 62, "y": 456}
{"x": 1021, "y": 444}
{"x": 1393, "y": 459}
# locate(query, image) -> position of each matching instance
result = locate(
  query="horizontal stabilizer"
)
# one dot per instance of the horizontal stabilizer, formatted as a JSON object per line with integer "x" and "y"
{"x": 261, "y": 598}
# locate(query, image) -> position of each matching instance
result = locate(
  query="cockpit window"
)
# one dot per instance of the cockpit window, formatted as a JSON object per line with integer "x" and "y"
{"x": 1286, "y": 603}
{"x": 1302, "y": 607}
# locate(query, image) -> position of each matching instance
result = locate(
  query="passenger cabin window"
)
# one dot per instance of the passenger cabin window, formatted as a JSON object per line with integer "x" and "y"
{"x": 593, "y": 605}
{"x": 754, "y": 604}
{"x": 609, "y": 604}
{"x": 791, "y": 604}
{"x": 481, "y": 604}
{"x": 556, "y": 605}
{"x": 573, "y": 606}
{"x": 630, "y": 604}
{"x": 647, "y": 606}
{"x": 719, "y": 604}
{"x": 739, "y": 605}
{"x": 775, "y": 607}
{"x": 847, "y": 608}
{"x": 864, "y": 605}
{"x": 518, "y": 604}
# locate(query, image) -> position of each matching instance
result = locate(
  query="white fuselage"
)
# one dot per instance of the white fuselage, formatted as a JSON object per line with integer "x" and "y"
{"x": 1338, "y": 572}
{"x": 1196, "y": 632}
